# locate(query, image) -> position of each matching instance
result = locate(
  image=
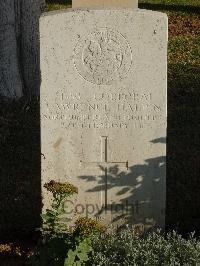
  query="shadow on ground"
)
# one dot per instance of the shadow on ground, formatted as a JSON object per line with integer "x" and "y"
{"x": 183, "y": 162}
{"x": 20, "y": 178}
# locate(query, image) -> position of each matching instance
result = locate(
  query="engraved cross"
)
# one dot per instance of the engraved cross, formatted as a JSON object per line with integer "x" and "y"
{"x": 104, "y": 164}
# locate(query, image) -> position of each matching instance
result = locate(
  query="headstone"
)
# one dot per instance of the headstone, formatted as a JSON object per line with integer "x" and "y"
{"x": 19, "y": 47}
{"x": 105, "y": 3}
{"x": 103, "y": 111}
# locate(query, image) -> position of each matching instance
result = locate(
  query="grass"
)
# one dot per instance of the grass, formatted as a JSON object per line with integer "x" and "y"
{"x": 60, "y": 4}
{"x": 172, "y": 2}
{"x": 161, "y": 4}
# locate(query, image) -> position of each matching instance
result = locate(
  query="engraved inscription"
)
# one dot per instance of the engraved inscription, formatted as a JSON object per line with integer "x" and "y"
{"x": 104, "y": 110}
{"x": 103, "y": 57}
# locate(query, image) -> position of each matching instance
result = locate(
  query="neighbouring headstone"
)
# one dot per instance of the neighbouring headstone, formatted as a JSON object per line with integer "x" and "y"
{"x": 19, "y": 47}
{"x": 103, "y": 111}
{"x": 105, "y": 3}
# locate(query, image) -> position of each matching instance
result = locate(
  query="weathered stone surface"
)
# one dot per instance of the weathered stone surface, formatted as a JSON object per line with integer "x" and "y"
{"x": 105, "y": 3}
{"x": 103, "y": 111}
{"x": 19, "y": 47}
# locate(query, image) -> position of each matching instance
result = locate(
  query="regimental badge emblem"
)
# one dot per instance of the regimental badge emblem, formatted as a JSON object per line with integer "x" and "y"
{"x": 103, "y": 57}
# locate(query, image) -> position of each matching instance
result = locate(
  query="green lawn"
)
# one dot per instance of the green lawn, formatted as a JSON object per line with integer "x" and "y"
{"x": 163, "y": 4}
{"x": 58, "y": 4}
{"x": 172, "y": 2}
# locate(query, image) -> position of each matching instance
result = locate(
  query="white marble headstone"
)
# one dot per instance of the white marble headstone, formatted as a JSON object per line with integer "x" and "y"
{"x": 103, "y": 111}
